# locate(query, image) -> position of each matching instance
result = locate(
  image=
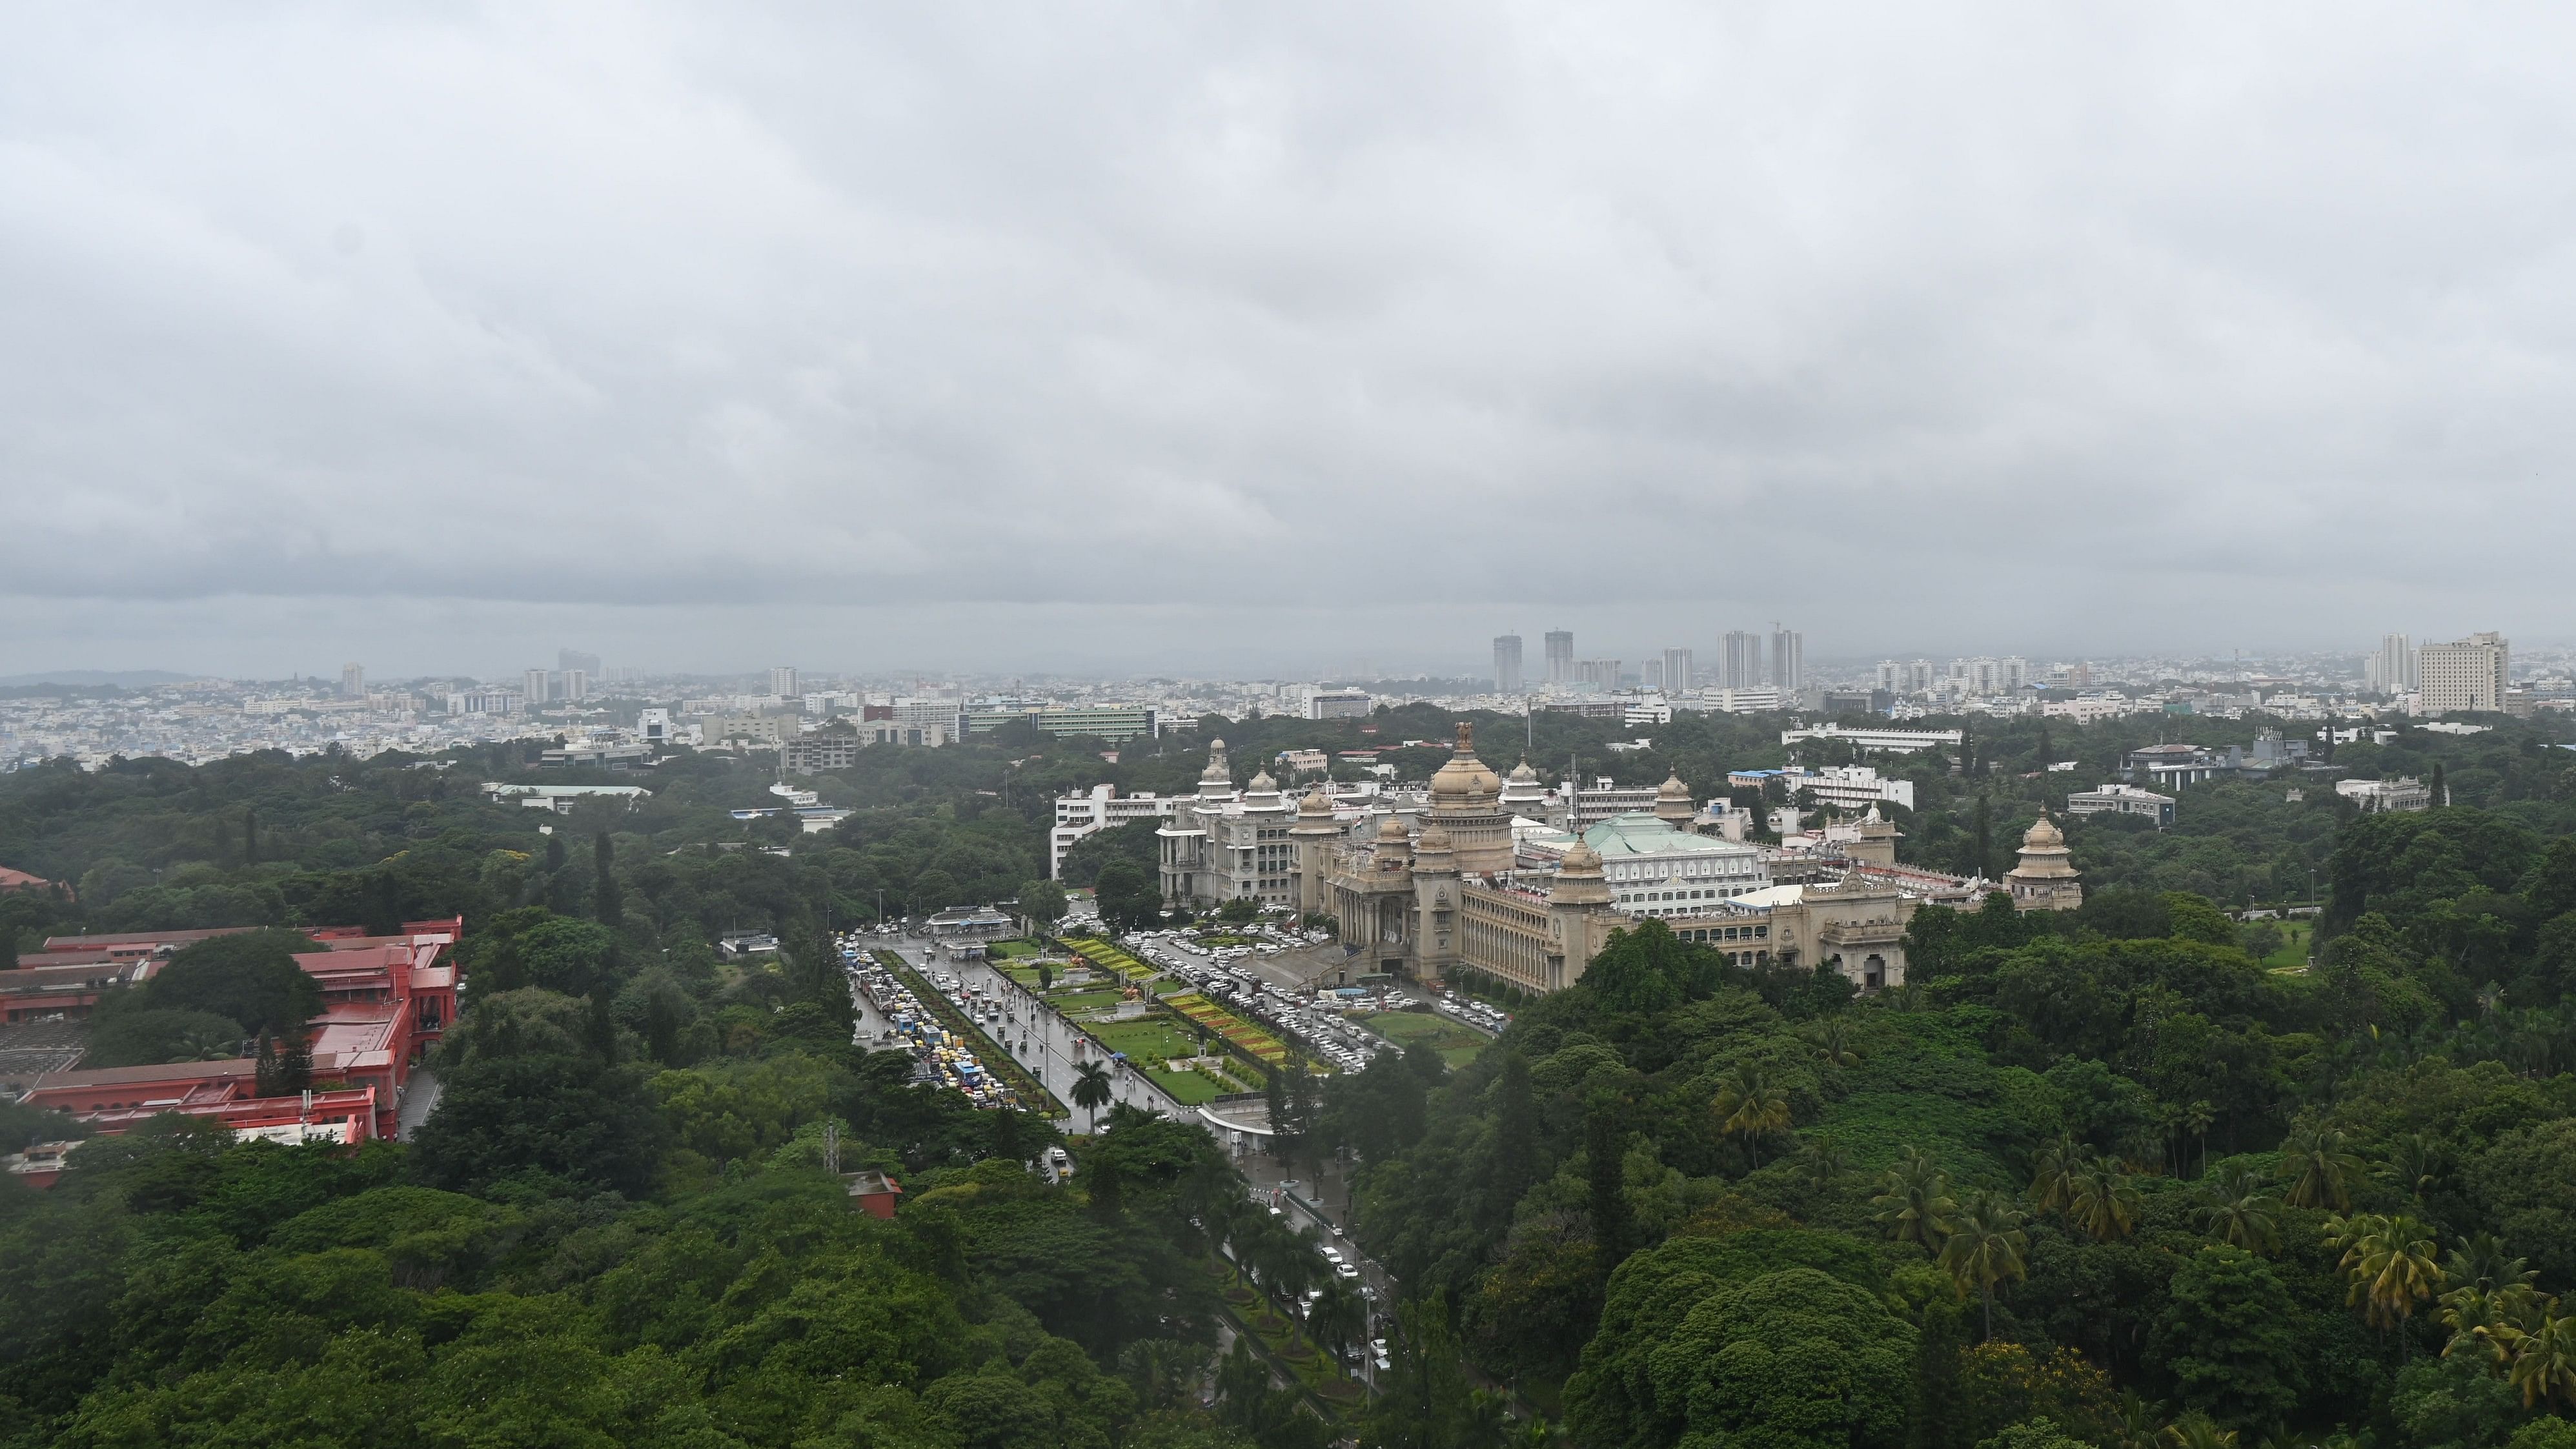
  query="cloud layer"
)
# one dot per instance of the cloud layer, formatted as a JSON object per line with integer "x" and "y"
{"x": 1109, "y": 334}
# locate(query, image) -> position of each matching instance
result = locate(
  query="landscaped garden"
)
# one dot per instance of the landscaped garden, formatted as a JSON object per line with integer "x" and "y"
{"x": 1155, "y": 1042}
{"x": 1457, "y": 1045}
{"x": 1110, "y": 958}
{"x": 1233, "y": 1028}
{"x": 1150, "y": 1039}
{"x": 1189, "y": 1088}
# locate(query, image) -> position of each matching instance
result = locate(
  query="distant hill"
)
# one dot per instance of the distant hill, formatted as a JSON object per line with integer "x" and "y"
{"x": 92, "y": 678}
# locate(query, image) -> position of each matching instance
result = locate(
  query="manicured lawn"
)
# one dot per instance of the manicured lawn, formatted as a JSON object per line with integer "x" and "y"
{"x": 1151, "y": 1038}
{"x": 1456, "y": 1044}
{"x": 2293, "y": 954}
{"x": 1072, "y": 1003}
{"x": 1187, "y": 1088}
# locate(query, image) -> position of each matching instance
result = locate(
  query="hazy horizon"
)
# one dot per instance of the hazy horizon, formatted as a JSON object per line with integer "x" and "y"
{"x": 1136, "y": 339}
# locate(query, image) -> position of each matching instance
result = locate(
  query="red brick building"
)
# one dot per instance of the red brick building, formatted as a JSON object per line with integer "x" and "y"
{"x": 386, "y": 1001}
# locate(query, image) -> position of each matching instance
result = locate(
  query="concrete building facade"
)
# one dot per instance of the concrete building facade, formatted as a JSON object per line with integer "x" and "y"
{"x": 2465, "y": 675}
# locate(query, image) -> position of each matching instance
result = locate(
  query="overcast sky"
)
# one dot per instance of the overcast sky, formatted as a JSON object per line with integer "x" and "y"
{"x": 1275, "y": 338}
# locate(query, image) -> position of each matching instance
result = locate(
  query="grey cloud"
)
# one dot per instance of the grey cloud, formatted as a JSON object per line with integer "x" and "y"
{"x": 2001, "y": 326}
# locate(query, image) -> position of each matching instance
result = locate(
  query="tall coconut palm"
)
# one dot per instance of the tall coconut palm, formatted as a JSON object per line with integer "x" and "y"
{"x": 1748, "y": 1104}
{"x": 2321, "y": 1169}
{"x": 1986, "y": 1245}
{"x": 2197, "y": 1119}
{"x": 2393, "y": 1265}
{"x": 2490, "y": 1319}
{"x": 2103, "y": 1202}
{"x": 1091, "y": 1089}
{"x": 2414, "y": 1161}
{"x": 2053, "y": 1170}
{"x": 1824, "y": 1159}
{"x": 1832, "y": 1040}
{"x": 2482, "y": 1259}
{"x": 2544, "y": 1363}
{"x": 1337, "y": 1318}
{"x": 1914, "y": 1202}
{"x": 2238, "y": 1207}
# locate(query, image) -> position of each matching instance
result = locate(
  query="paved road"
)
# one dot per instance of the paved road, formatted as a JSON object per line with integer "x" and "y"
{"x": 1044, "y": 1043}
{"x": 1050, "y": 1048}
{"x": 419, "y": 1099}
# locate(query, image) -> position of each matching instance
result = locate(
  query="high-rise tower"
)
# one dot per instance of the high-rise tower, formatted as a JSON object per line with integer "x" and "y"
{"x": 1560, "y": 656}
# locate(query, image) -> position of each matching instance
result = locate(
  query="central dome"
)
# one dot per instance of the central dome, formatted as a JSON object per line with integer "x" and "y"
{"x": 1465, "y": 780}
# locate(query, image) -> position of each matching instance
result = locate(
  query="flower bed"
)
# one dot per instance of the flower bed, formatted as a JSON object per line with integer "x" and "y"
{"x": 1109, "y": 957}
{"x": 1236, "y": 1031}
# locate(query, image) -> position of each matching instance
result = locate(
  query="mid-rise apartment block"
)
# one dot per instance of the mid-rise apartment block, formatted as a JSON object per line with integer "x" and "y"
{"x": 2465, "y": 675}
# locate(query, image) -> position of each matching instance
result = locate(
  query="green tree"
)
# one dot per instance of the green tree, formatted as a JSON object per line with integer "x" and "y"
{"x": 1913, "y": 1201}
{"x": 1091, "y": 1090}
{"x": 2321, "y": 1169}
{"x": 250, "y": 978}
{"x": 1749, "y": 1103}
{"x": 2544, "y": 1363}
{"x": 2228, "y": 1339}
{"x": 1605, "y": 1144}
{"x": 1042, "y": 901}
{"x": 607, "y": 905}
{"x": 2103, "y": 1201}
{"x": 1796, "y": 1358}
{"x": 1986, "y": 1245}
{"x": 2238, "y": 1208}
{"x": 2392, "y": 1263}
{"x": 1513, "y": 1164}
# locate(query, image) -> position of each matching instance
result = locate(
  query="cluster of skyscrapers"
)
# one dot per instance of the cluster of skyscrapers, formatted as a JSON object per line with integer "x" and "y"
{"x": 1742, "y": 662}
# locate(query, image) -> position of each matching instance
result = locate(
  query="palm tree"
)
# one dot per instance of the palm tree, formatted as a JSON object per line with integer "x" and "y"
{"x": 1913, "y": 1202}
{"x": 2495, "y": 1319}
{"x": 1091, "y": 1089}
{"x": 2103, "y": 1202}
{"x": 2321, "y": 1169}
{"x": 2482, "y": 1260}
{"x": 1833, "y": 1044}
{"x": 1749, "y": 1104}
{"x": 2238, "y": 1207}
{"x": 2198, "y": 1431}
{"x": 2053, "y": 1170}
{"x": 1337, "y": 1318}
{"x": 2494, "y": 1306}
{"x": 1824, "y": 1159}
{"x": 2133, "y": 1423}
{"x": 1986, "y": 1246}
{"x": 2414, "y": 1161}
{"x": 2544, "y": 1362}
{"x": 2197, "y": 1119}
{"x": 2391, "y": 1262}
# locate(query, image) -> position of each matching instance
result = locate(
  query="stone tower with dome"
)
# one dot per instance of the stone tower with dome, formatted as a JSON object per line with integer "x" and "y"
{"x": 1425, "y": 901}
{"x": 2046, "y": 879}
{"x": 1222, "y": 845}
